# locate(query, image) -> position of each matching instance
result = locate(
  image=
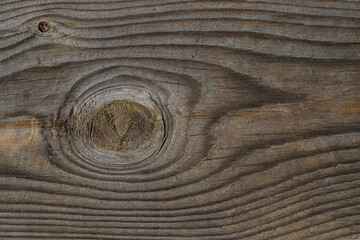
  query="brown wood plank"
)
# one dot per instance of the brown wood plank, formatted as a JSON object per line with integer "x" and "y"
{"x": 180, "y": 119}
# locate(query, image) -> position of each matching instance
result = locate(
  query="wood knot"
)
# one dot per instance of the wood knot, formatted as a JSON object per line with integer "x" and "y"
{"x": 121, "y": 125}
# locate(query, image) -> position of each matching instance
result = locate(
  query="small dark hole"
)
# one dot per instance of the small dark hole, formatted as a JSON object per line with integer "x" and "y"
{"x": 43, "y": 26}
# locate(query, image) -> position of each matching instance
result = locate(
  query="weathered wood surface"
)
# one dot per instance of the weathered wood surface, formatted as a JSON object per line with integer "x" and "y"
{"x": 259, "y": 102}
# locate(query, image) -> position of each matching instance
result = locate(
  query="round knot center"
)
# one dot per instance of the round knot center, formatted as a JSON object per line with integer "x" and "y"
{"x": 121, "y": 125}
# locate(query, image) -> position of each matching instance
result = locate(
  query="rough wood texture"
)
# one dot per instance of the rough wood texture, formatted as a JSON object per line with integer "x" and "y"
{"x": 258, "y": 103}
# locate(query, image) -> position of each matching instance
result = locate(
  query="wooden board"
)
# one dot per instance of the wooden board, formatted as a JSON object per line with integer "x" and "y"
{"x": 248, "y": 115}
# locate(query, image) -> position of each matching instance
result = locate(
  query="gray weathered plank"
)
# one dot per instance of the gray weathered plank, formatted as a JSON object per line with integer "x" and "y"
{"x": 256, "y": 111}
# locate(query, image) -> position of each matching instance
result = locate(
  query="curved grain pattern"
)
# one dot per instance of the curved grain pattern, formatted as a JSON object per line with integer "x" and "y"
{"x": 180, "y": 119}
